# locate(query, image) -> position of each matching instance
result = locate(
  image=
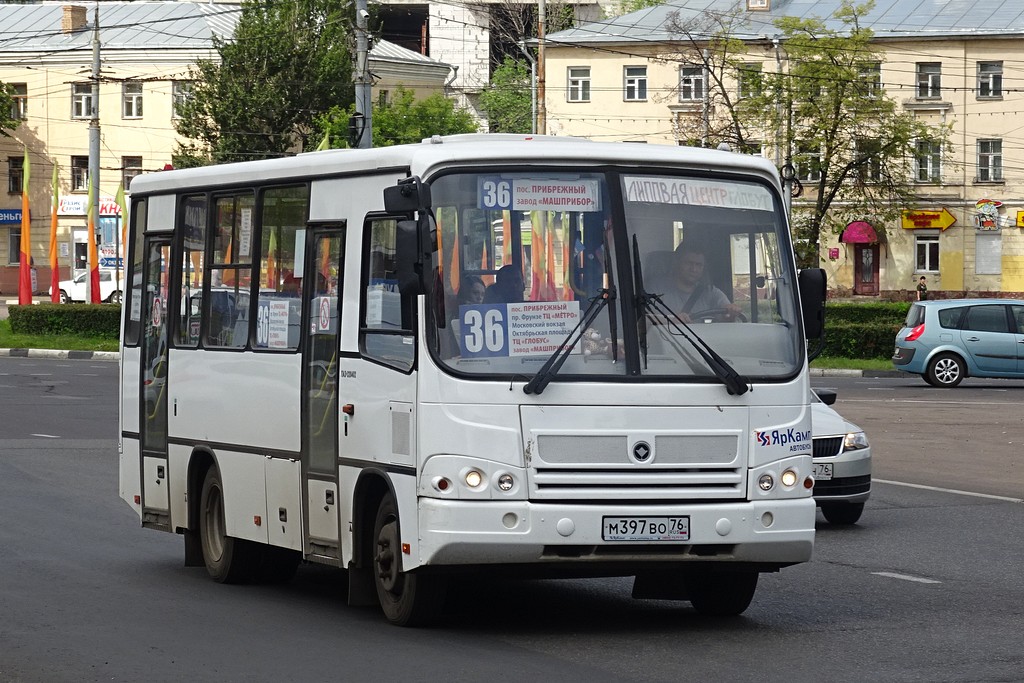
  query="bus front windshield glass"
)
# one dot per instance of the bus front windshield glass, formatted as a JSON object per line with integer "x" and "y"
{"x": 636, "y": 271}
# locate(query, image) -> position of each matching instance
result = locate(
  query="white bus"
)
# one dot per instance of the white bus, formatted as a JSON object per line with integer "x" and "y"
{"x": 310, "y": 372}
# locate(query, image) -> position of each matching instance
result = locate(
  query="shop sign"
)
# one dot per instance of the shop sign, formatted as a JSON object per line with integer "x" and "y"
{"x": 10, "y": 216}
{"x": 987, "y": 217}
{"x": 76, "y": 205}
{"x": 928, "y": 218}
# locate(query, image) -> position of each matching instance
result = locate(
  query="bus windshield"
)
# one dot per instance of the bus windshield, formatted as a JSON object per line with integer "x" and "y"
{"x": 624, "y": 272}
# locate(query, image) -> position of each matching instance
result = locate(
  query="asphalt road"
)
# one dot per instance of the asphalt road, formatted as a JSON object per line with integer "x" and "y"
{"x": 926, "y": 588}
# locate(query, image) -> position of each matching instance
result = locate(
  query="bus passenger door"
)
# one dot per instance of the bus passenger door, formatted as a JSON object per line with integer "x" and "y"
{"x": 153, "y": 394}
{"x": 320, "y": 390}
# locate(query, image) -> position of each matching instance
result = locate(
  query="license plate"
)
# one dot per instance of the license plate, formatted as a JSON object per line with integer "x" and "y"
{"x": 645, "y": 528}
{"x": 823, "y": 470}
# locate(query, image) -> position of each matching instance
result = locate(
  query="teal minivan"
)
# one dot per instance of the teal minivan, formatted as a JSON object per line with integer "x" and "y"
{"x": 945, "y": 341}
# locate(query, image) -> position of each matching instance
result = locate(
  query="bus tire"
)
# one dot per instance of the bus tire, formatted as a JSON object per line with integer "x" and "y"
{"x": 227, "y": 559}
{"x": 720, "y": 593}
{"x": 407, "y": 598}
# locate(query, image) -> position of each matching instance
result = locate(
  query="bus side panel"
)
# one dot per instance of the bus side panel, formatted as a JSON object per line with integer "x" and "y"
{"x": 130, "y": 473}
{"x": 178, "y": 459}
{"x": 245, "y": 495}
{"x": 249, "y": 401}
{"x": 284, "y": 506}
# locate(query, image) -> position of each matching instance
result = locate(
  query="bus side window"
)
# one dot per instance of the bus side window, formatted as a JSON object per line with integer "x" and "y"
{"x": 382, "y": 337}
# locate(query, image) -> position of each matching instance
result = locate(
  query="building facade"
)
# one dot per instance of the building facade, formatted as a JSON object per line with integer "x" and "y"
{"x": 623, "y": 79}
{"x": 147, "y": 50}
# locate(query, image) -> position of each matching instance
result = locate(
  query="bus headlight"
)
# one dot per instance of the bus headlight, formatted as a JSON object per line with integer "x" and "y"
{"x": 506, "y": 481}
{"x": 473, "y": 478}
{"x": 766, "y": 482}
{"x": 789, "y": 478}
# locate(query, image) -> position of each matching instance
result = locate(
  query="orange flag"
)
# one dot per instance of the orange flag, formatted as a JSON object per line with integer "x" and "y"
{"x": 94, "y": 259}
{"x": 25, "y": 262}
{"x": 54, "y": 267}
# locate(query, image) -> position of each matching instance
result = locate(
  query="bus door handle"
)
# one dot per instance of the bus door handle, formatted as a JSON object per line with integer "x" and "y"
{"x": 329, "y": 500}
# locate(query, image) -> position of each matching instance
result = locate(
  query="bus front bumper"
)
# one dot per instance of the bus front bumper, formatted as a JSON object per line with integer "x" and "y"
{"x": 771, "y": 533}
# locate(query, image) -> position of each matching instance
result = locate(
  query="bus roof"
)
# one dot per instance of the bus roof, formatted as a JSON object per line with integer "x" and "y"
{"x": 423, "y": 157}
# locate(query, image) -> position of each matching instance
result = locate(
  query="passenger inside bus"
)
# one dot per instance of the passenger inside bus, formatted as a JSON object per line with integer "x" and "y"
{"x": 507, "y": 288}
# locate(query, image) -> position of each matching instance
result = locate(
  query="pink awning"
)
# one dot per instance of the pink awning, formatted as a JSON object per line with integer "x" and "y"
{"x": 859, "y": 232}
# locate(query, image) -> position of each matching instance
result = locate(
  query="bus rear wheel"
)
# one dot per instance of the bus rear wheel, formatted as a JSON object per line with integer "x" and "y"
{"x": 227, "y": 559}
{"x": 407, "y": 598}
{"x": 720, "y": 593}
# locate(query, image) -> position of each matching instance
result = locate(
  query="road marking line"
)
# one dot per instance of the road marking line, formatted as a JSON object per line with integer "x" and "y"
{"x": 45, "y": 436}
{"x": 956, "y": 491}
{"x": 905, "y": 577}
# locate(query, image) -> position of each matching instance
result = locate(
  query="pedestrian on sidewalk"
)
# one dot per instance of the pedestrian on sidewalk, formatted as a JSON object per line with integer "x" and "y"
{"x": 922, "y": 289}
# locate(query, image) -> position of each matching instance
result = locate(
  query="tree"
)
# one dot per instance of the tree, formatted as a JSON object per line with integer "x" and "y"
{"x": 288, "y": 61}
{"x": 839, "y": 131}
{"x": 401, "y": 120}
{"x": 7, "y": 122}
{"x": 508, "y": 101}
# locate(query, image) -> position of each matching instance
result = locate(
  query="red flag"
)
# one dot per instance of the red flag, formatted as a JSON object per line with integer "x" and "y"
{"x": 54, "y": 266}
{"x": 25, "y": 262}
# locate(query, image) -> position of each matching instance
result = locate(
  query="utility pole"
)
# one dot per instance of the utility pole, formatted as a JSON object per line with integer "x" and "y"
{"x": 542, "y": 112}
{"x": 93, "y": 280}
{"x": 361, "y": 125}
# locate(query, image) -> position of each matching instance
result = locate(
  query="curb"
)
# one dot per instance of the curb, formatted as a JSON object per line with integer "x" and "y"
{"x": 64, "y": 355}
{"x": 836, "y": 372}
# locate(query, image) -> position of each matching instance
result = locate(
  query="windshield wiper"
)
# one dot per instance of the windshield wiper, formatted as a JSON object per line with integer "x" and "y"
{"x": 642, "y": 300}
{"x": 552, "y": 365}
{"x": 646, "y": 302}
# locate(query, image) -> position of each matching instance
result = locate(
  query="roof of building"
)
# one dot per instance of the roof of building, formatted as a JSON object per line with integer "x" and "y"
{"x": 888, "y": 19}
{"x": 144, "y": 25}
{"x": 123, "y": 25}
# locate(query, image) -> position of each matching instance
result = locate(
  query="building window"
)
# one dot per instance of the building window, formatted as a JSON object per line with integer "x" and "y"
{"x": 808, "y": 163}
{"x": 871, "y": 79}
{"x": 131, "y": 107}
{"x": 130, "y": 167}
{"x": 181, "y": 92}
{"x": 691, "y": 83}
{"x": 988, "y": 253}
{"x": 990, "y": 80}
{"x": 929, "y": 80}
{"x": 79, "y": 174}
{"x": 579, "y": 84}
{"x": 634, "y": 83}
{"x": 752, "y": 147}
{"x": 15, "y": 173}
{"x": 19, "y": 97}
{"x": 929, "y": 154}
{"x": 82, "y": 104}
{"x": 990, "y": 160}
{"x": 926, "y": 247}
{"x": 749, "y": 78}
{"x": 14, "y": 246}
{"x": 869, "y": 168}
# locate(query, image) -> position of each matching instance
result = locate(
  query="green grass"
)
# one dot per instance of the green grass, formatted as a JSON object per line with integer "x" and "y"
{"x": 8, "y": 340}
{"x": 63, "y": 342}
{"x": 834, "y": 363}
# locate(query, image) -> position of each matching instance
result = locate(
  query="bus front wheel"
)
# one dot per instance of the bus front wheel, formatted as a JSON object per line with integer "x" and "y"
{"x": 407, "y": 598}
{"x": 720, "y": 593}
{"x": 227, "y": 559}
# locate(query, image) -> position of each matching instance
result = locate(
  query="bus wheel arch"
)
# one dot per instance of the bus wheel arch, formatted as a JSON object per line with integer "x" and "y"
{"x": 407, "y": 598}
{"x": 370, "y": 489}
{"x": 201, "y": 461}
{"x": 227, "y": 559}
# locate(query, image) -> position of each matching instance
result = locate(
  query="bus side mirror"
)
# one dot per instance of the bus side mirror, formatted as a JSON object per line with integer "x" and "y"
{"x": 812, "y": 301}
{"x": 415, "y": 245}
{"x": 409, "y": 195}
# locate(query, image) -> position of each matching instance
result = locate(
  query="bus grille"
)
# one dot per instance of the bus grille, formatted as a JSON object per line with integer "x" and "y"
{"x": 681, "y": 467}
